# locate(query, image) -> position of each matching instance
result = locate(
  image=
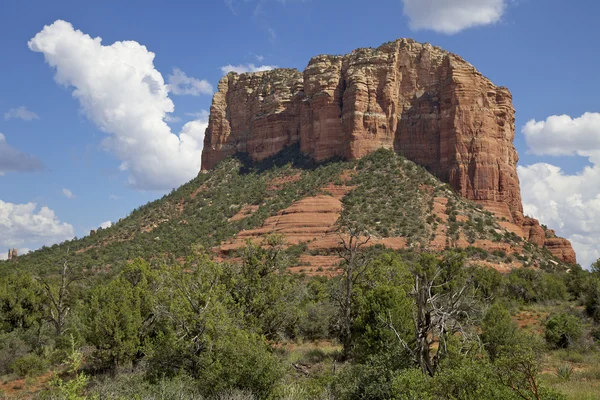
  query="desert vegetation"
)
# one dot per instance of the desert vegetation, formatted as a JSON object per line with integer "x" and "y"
{"x": 147, "y": 309}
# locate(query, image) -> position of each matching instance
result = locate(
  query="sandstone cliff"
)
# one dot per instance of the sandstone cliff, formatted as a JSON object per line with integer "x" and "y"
{"x": 424, "y": 102}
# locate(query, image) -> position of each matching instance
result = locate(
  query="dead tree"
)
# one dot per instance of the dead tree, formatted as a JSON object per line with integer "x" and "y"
{"x": 354, "y": 266}
{"x": 58, "y": 298}
{"x": 444, "y": 307}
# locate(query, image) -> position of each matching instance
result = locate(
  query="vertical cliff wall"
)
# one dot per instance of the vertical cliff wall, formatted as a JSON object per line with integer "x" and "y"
{"x": 425, "y": 103}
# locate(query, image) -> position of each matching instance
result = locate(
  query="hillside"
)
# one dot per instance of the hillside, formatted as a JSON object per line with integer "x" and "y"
{"x": 399, "y": 204}
{"x": 174, "y": 301}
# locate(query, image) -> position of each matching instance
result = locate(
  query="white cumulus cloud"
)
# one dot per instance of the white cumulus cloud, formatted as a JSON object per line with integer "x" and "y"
{"x": 452, "y": 16}
{"x": 25, "y": 224}
{"x": 13, "y": 160}
{"x": 568, "y": 202}
{"x": 119, "y": 89}
{"x": 561, "y": 135}
{"x": 20, "y": 113}
{"x": 181, "y": 84}
{"x": 243, "y": 68}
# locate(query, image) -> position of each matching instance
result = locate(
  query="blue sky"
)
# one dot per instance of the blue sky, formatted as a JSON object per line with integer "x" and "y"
{"x": 54, "y": 142}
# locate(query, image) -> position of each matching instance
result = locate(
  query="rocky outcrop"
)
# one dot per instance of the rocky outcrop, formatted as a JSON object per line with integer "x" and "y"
{"x": 534, "y": 232}
{"x": 561, "y": 249}
{"x": 13, "y": 254}
{"x": 424, "y": 102}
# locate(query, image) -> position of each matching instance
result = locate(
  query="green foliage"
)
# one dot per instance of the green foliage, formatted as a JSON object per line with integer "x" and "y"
{"x": 530, "y": 286}
{"x": 563, "y": 330}
{"x": 29, "y": 364}
{"x": 565, "y": 372}
{"x": 20, "y": 302}
{"x": 134, "y": 386}
{"x": 369, "y": 380}
{"x": 316, "y": 310}
{"x": 519, "y": 370}
{"x": 388, "y": 200}
{"x": 72, "y": 389}
{"x": 381, "y": 300}
{"x": 264, "y": 290}
{"x": 468, "y": 380}
{"x": 592, "y": 298}
{"x": 116, "y": 313}
{"x": 499, "y": 332}
{"x": 202, "y": 336}
{"x": 487, "y": 282}
{"x": 13, "y": 345}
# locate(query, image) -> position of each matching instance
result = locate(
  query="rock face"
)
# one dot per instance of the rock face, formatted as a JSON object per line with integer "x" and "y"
{"x": 13, "y": 254}
{"x": 424, "y": 102}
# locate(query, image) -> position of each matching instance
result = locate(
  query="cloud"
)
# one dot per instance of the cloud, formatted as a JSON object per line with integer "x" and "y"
{"x": 25, "y": 224}
{"x": 568, "y": 202}
{"x": 119, "y": 90}
{"x": 231, "y": 6}
{"x": 193, "y": 128}
{"x": 561, "y": 135}
{"x": 12, "y": 160}
{"x": 170, "y": 118}
{"x": 243, "y": 68}
{"x": 106, "y": 224}
{"x": 114, "y": 197}
{"x": 452, "y": 16}
{"x": 181, "y": 84}
{"x": 202, "y": 115}
{"x": 68, "y": 194}
{"x": 20, "y": 113}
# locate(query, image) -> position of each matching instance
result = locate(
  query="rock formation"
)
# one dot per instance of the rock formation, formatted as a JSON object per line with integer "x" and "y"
{"x": 424, "y": 102}
{"x": 13, "y": 254}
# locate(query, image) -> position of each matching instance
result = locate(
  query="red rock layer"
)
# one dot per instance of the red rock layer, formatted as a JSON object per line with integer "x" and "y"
{"x": 425, "y": 103}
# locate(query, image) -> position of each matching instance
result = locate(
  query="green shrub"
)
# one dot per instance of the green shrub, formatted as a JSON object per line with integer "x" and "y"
{"x": 12, "y": 346}
{"x": 29, "y": 365}
{"x": 592, "y": 299}
{"x": 563, "y": 330}
{"x": 468, "y": 380}
{"x": 499, "y": 331}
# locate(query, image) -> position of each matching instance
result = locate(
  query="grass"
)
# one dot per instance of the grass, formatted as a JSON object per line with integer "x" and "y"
{"x": 574, "y": 372}
{"x": 312, "y": 366}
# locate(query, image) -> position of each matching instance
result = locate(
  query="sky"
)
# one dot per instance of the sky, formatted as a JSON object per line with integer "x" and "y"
{"x": 103, "y": 105}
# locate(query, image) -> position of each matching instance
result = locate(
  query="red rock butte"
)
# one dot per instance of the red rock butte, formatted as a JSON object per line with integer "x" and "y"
{"x": 427, "y": 104}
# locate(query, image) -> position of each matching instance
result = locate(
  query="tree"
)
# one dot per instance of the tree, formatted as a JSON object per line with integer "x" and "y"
{"x": 592, "y": 299}
{"x": 519, "y": 370}
{"x": 204, "y": 333}
{"x": 58, "y": 297}
{"x": 562, "y": 330}
{"x": 20, "y": 303}
{"x": 119, "y": 315}
{"x": 595, "y": 267}
{"x": 382, "y": 298}
{"x": 354, "y": 266}
{"x": 499, "y": 331}
{"x": 264, "y": 289}
{"x": 444, "y": 306}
